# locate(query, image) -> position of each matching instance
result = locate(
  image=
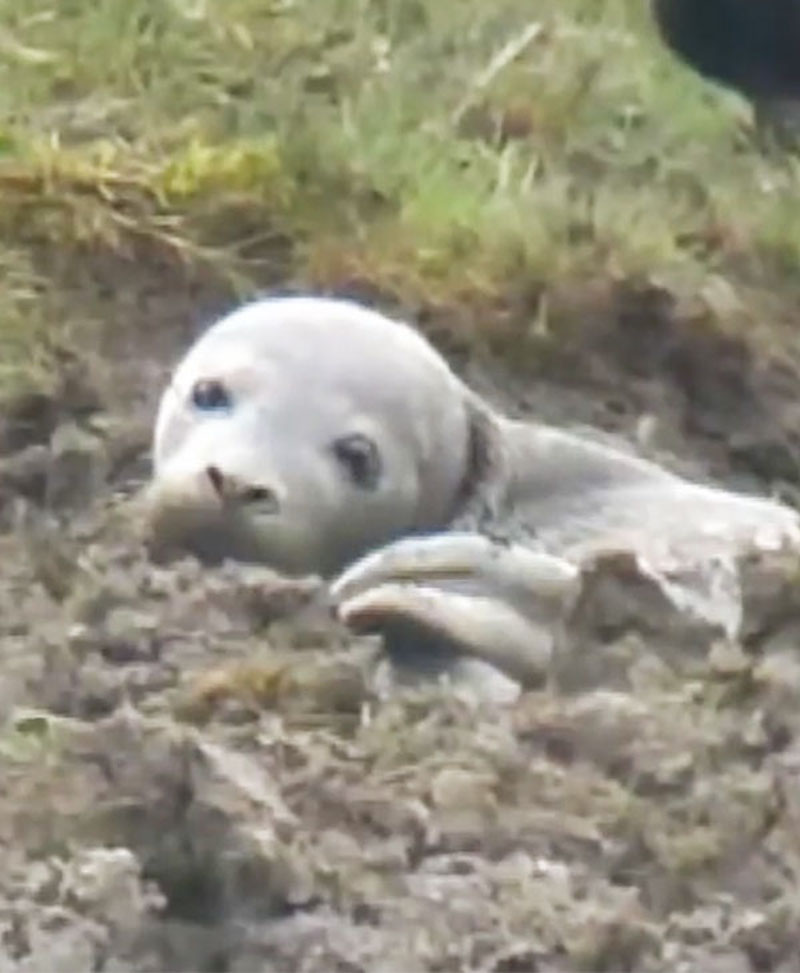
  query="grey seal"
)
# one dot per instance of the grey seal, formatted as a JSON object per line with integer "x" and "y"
{"x": 322, "y": 437}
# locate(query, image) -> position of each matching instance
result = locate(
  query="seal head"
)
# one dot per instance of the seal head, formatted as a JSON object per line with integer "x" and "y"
{"x": 301, "y": 432}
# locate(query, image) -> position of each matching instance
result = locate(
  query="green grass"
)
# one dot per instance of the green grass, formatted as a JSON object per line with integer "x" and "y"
{"x": 325, "y": 142}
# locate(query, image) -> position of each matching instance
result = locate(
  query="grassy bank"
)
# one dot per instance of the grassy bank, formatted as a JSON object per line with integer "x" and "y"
{"x": 444, "y": 154}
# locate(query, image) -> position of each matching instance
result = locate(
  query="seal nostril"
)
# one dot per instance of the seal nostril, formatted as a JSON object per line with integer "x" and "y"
{"x": 216, "y": 478}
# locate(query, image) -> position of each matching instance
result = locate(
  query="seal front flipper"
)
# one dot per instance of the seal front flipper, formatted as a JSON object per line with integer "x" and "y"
{"x": 461, "y": 594}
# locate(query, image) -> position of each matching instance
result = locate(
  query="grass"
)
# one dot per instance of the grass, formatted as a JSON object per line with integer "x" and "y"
{"x": 390, "y": 144}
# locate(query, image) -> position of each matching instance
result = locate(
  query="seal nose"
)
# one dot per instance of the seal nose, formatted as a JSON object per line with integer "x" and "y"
{"x": 230, "y": 488}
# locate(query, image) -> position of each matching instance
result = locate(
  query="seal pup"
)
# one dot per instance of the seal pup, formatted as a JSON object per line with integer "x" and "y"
{"x": 321, "y": 437}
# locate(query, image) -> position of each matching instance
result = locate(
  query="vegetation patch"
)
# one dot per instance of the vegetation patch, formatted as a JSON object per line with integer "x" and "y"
{"x": 448, "y": 156}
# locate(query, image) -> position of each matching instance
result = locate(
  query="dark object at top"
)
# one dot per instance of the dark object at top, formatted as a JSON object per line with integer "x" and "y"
{"x": 750, "y": 45}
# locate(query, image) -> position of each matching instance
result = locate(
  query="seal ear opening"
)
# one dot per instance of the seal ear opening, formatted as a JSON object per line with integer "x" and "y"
{"x": 481, "y": 496}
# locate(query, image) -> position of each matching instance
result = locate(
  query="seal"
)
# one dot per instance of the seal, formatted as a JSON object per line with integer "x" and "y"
{"x": 322, "y": 437}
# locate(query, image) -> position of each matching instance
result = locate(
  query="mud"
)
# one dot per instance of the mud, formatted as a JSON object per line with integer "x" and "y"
{"x": 200, "y": 773}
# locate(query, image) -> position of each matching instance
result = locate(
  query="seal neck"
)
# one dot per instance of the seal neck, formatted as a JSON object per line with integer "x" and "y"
{"x": 481, "y": 497}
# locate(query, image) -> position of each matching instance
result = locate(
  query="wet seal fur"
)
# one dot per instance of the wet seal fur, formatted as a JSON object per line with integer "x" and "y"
{"x": 322, "y": 437}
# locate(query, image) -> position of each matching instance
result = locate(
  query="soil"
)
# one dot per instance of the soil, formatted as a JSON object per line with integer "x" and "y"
{"x": 198, "y": 773}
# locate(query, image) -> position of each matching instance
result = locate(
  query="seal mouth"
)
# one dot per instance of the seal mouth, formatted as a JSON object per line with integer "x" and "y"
{"x": 247, "y": 525}
{"x": 212, "y": 535}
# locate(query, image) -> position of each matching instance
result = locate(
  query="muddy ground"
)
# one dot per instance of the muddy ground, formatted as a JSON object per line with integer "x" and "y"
{"x": 197, "y": 772}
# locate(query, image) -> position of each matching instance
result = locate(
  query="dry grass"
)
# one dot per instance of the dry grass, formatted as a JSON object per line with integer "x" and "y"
{"x": 443, "y": 152}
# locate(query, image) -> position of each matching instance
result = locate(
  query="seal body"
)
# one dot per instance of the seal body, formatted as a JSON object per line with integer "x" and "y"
{"x": 324, "y": 438}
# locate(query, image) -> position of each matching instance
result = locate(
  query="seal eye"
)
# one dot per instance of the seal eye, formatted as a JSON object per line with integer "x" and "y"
{"x": 259, "y": 494}
{"x": 359, "y": 456}
{"x": 210, "y": 395}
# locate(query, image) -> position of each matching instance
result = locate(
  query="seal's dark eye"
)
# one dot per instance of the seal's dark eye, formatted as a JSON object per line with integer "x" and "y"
{"x": 359, "y": 455}
{"x": 210, "y": 395}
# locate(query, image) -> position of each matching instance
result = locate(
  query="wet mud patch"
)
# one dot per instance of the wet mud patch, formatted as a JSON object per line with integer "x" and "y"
{"x": 198, "y": 771}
